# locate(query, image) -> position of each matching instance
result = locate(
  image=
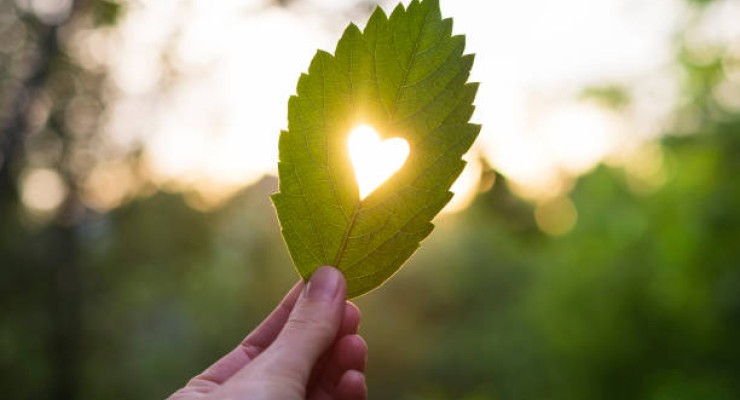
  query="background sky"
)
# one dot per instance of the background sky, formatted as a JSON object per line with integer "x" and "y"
{"x": 204, "y": 85}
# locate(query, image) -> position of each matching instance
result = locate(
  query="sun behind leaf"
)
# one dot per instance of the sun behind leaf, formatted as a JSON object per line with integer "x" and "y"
{"x": 373, "y": 160}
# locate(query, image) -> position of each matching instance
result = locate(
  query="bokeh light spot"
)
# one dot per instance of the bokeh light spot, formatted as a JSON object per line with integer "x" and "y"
{"x": 42, "y": 190}
{"x": 556, "y": 217}
{"x": 51, "y": 12}
{"x": 108, "y": 185}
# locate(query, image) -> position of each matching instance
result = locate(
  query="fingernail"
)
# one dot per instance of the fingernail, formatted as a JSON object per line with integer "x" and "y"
{"x": 324, "y": 284}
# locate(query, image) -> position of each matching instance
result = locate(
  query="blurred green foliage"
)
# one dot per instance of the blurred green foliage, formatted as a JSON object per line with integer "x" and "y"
{"x": 105, "y": 12}
{"x": 641, "y": 300}
{"x": 610, "y": 96}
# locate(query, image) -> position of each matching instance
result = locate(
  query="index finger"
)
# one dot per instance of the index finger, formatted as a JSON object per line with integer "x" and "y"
{"x": 246, "y": 351}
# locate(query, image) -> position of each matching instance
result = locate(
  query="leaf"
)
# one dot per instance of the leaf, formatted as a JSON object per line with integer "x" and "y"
{"x": 406, "y": 76}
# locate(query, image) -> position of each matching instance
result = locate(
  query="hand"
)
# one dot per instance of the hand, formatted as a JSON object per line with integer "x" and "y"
{"x": 308, "y": 348}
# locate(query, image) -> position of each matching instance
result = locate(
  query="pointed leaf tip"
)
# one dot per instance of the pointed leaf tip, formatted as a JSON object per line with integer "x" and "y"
{"x": 379, "y": 77}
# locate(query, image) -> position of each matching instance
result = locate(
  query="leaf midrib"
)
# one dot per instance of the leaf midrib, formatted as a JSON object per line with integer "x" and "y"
{"x": 359, "y": 204}
{"x": 440, "y": 156}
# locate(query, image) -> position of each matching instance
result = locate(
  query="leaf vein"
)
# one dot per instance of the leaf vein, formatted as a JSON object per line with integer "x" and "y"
{"x": 407, "y": 70}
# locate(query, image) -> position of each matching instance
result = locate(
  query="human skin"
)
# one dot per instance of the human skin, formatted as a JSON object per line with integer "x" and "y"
{"x": 307, "y": 348}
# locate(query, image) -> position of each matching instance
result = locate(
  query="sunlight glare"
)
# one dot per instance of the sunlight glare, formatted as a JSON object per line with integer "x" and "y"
{"x": 374, "y": 161}
{"x": 466, "y": 186}
{"x": 578, "y": 136}
{"x": 198, "y": 85}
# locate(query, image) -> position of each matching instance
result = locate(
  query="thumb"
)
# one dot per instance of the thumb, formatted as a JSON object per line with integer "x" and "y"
{"x": 310, "y": 329}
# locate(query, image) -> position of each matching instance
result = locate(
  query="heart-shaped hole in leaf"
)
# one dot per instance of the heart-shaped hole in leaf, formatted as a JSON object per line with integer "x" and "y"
{"x": 374, "y": 160}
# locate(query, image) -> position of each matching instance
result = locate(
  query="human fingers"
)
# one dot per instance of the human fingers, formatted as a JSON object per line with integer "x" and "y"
{"x": 262, "y": 336}
{"x": 350, "y": 320}
{"x": 350, "y": 325}
{"x": 308, "y": 332}
{"x": 348, "y": 353}
{"x": 351, "y": 386}
{"x": 247, "y": 350}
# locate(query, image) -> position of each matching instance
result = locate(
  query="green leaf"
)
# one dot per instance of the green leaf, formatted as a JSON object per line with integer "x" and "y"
{"x": 406, "y": 76}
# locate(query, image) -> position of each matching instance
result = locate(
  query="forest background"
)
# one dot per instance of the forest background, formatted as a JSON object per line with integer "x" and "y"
{"x": 136, "y": 246}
